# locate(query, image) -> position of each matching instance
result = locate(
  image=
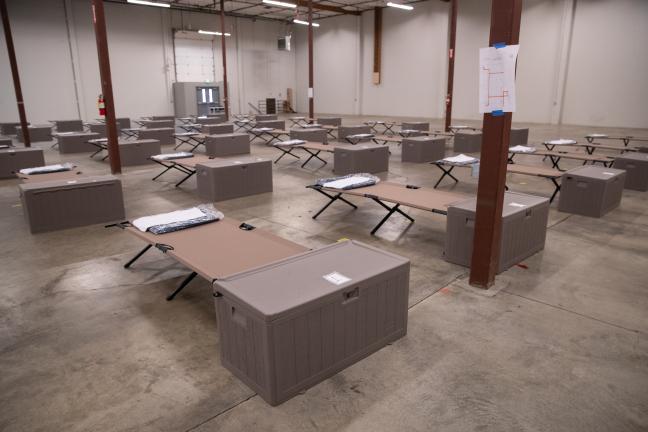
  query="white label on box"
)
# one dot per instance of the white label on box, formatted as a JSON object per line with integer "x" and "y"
{"x": 336, "y": 278}
{"x": 607, "y": 173}
{"x": 514, "y": 204}
{"x": 71, "y": 181}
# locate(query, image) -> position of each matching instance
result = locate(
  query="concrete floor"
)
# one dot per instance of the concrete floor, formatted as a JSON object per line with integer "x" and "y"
{"x": 560, "y": 344}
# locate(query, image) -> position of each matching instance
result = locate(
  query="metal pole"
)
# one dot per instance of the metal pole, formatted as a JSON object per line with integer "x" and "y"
{"x": 505, "y": 27}
{"x": 222, "y": 26}
{"x": 99, "y": 20}
{"x": 311, "y": 95}
{"x": 377, "y": 44}
{"x": 452, "y": 37}
{"x": 14, "y": 73}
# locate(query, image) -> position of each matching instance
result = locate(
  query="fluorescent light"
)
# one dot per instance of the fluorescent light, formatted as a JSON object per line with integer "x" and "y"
{"x": 298, "y": 21}
{"x": 400, "y": 6}
{"x": 280, "y": 3}
{"x": 149, "y": 3}
{"x": 213, "y": 33}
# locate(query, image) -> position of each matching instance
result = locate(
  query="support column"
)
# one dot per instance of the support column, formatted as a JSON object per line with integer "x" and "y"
{"x": 222, "y": 26}
{"x": 14, "y": 73}
{"x": 377, "y": 59}
{"x": 505, "y": 27}
{"x": 311, "y": 95}
{"x": 452, "y": 37}
{"x": 99, "y": 20}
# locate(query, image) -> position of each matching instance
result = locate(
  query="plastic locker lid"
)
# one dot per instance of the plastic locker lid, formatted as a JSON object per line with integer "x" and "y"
{"x": 277, "y": 289}
{"x": 225, "y": 161}
{"x": 593, "y": 171}
{"x": 13, "y": 150}
{"x": 514, "y": 202}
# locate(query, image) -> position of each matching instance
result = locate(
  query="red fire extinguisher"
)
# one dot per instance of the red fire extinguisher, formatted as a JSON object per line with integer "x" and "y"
{"x": 101, "y": 105}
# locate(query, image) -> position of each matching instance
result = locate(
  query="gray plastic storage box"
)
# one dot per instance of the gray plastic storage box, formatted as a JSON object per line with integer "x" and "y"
{"x": 289, "y": 325}
{"x": 312, "y": 135}
{"x": 69, "y": 126}
{"x": 123, "y": 122}
{"x": 330, "y": 121}
{"x": 217, "y": 129}
{"x": 265, "y": 117}
{"x": 223, "y": 179}
{"x": 76, "y": 142}
{"x": 636, "y": 167}
{"x": 420, "y": 126}
{"x": 61, "y": 204}
{"x": 5, "y": 141}
{"x": 138, "y": 152}
{"x": 422, "y": 149}
{"x": 360, "y": 158}
{"x": 274, "y": 124}
{"x": 164, "y": 135}
{"x": 344, "y": 131}
{"x": 36, "y": 133}
{"x": 227, "y": 144}
{"x": 157, "y": 124}
{"x": 9, "y": 128}
{"x": 519, "y": 136}
{"x": 163, "y": 117}
{"x": 14, "y": 159}
{"x": 591, "y": 190}
{"x": 524, "y": 229}
{"x": 100, "y": 128}
{"x": 467, "y": 142}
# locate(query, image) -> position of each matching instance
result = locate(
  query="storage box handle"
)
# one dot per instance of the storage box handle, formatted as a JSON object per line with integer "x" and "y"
{"x": 351, "y": 295}
{"x": 238, "y": 318}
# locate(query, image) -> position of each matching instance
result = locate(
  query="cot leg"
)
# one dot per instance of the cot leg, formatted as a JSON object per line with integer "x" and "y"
{"x": 332, "y": 199}
{"x": 555, "y": 182}
{"x": 167, "y": 169}
{"x": 285, "y": 152}
{"x": 391, "y": 211}
{"x": 185, "y": 179}
{"x": 445, "y": 173}
{"x": 313, "y": 155}
{"x": 182, "y": 285}
{"x": 136, "y": 257}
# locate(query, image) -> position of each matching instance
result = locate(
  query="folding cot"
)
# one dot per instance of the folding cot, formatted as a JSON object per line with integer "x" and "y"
{"x": 626, "y": 139}
{"x": 589, "y": 147}
{"x": 9, "y": 128}
{"x": 183, "y": 162}
{"x": 190, "y": 127}
{"x": 550, "y": 174}
{"x": 215, "y": 250}
{"x": 330, "y": 129}
{"x": 193, "y": 139}
{"x": 157, "y": 124}
{"x": 70, "y": 174}
{"x": 273, "y": 134}
{"x": 387, "y": 127}
{"x": 455, "y": 128}
{"x": 297, "y": 121}
{"x": 397, "y": 194}
{"x": 243, "y": 123}
{"x": 312, "y": 148}
{"x": 556, "y": 156}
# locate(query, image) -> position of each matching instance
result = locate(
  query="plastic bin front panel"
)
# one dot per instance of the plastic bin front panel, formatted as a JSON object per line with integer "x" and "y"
{"x": 636, "y": 167}
{"x": 13, "y": 160}
{"x": 313, "y": 135}
{"x": 591, "y": 190}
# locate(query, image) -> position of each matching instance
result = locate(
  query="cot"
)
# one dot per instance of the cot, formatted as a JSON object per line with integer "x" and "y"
{"x": 215, "y": 250}
{"x": 186, "y": 165}
{"x": 398, "y": 195}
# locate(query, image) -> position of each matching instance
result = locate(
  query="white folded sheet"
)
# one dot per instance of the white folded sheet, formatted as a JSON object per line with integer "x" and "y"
{"x": 522, "y": 149}
{"x": 460, "y": 159}
{"x": 561, "y": 141}
{"x": 289, "y": 143}
{"x": 146, "y": 222}
{"x": 169, "y": 156}
{"x": 346, "y": 182}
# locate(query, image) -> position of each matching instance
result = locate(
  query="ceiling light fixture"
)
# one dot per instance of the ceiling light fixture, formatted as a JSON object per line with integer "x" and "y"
{"x": 207, "y": 32}
{"x": 298, "y": 21}
{"x": 280, "y": 3}
{"x": 400, "y": 6}
{"x": 149, "y": 3}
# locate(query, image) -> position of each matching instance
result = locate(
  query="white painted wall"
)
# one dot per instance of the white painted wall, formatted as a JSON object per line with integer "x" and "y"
{"x": 608, "y": 67}
{"x": 141, "y": 54}
{"x": 589, "y": 88}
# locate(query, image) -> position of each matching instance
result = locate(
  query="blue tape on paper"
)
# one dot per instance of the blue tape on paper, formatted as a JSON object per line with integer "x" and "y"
{"x": 499, "y": 45}
{"x": 497, "y": 113}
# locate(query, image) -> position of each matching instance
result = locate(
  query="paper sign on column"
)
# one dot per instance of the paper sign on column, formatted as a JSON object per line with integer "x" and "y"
{"x": 497, "y": 78}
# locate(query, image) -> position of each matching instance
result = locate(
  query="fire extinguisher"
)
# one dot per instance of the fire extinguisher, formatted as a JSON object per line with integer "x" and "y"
{"x": 101, "y": 105}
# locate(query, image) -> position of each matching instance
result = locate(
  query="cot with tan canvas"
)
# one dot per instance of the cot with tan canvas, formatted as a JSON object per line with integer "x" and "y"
{"x": 217, "y": 249}
{"x": 398, "y": 195}
{"x": 555, "y": 156}
{"x": 312, "y": 148}
{"x": 626, "y": 139}
{"x": 185, "y": 165}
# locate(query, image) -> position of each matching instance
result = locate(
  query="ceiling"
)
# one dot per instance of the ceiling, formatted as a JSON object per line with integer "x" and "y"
{"x": 257, "y": 9}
